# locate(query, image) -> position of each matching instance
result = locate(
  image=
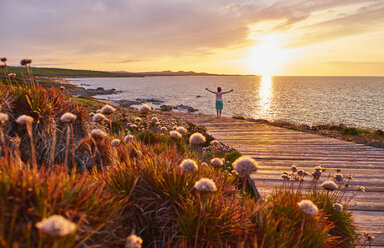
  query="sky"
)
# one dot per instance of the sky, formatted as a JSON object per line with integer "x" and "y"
{"x": 264, "y": 37}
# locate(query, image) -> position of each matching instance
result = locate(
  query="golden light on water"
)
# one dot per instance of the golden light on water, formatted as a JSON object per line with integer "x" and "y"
{"x": 265, "y": 95}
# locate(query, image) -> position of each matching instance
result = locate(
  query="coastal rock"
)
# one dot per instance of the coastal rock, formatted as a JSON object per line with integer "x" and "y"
{"x": 93, "y": 92}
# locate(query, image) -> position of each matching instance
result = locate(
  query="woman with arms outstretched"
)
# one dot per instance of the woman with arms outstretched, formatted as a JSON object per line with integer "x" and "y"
{"x": 219, "y": 99}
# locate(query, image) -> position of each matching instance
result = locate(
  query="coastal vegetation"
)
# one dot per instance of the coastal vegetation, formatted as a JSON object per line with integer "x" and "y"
{"x": 75, "y": 175}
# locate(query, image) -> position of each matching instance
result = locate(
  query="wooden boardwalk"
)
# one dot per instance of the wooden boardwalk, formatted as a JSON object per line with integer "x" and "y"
{"x": 276, "y": 149}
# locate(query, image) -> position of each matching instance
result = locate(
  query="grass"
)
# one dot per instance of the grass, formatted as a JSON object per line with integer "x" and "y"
{"x": 138, "y": 186}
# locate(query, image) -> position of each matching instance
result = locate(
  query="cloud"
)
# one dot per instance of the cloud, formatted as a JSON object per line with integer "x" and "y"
{"x": 98, "y": 30}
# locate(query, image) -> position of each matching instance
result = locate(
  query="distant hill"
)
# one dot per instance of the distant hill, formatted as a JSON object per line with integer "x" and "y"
{"x": 58, "y": 72}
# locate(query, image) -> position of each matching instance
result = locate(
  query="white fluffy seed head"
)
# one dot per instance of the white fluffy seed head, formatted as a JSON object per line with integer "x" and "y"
{"x": 360, "y": 188}
{"x": 214, "y": 143}
{"x": 308, "y": 207}
{"x": 329, "y": 185}
{"x": 245, "y": 165}
{"x": 294, "y": 168}
{"x": 144, "y": 109}
{"x": 338, "y": 177}
{"x": 91, "y": 114}
{"x": 68, "y": 118}
{"x": 197, "y": 139}
{"x": 188, "y": 165}
{"x": 133, "y": 126}
{"x": 115, "y": 142}
{"x": 175, "y": 135}
{"x": 338, "y": 207}
{"x": 98, "y": 134}
{"x": 205, "y": 185}
{"x": 56, "y": 226}
{"x": 137, "y": 119}
{"x": 182, "y": 130}
{"x": 164, "y": 129}
{"x": 107, "y": 110}
{"x": 3, "y": 118}
{"x": 99, "y": 118}
{"x": 154, "y": 120}
{"x": 134, "y": 241}
{"x": 204, "y": 164}
{"x": 24, "y": 119}
{"x": 234, "y": 172}
{"x": 217, "y": 162}
{"x": 98, "y": 111}
{"x": 128, "y": 138}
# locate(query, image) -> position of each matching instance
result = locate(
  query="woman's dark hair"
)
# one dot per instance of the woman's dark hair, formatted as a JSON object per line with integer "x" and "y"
{"x": 218, "y": 89}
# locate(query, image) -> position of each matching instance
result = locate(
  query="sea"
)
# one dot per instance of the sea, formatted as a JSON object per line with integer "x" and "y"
{"x": 354, "y": 101}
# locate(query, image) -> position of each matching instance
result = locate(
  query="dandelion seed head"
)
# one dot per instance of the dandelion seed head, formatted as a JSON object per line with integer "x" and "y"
{"x": 301, "y": 173}
{"x": 205, "y": 185}
{"x": 158, "y": 123}
{"x": 163, "y": 129}
{"x": 285, "y": 177}
{"x": 115, "y": 142}
{"x": 134, "y": 241}
{"x": 294, "y": 168}
{"x": 360, "y": 188}
{"x": 91, "y": 114}
{"x": 188, "y": 165}
{"x": 25, "y": 61}
{"x": 214, "y": 143}
{"x": 338, "y": 207}
{"x": 3, "y": 118}
{"x": 12, "y": 75}
{"x": 144, "y": 109}
{"x": 204, "y": 164}
{"x": 99, "y": 118}
{"x": 128, "y": 138}
{"x": 107, "y": 110}
{"x": 308, "y": 207}
{"x": 175, "y": 135}
{"x": 197, "y": 139}
{"x": 68, "y": 118}
{"x": 234, "y": 172}
{"x": 329, "y": 185}
{"x": 182, "y": 130}
{"x": 154, "y": 120}
{"x": 24, "y": 119}
{"x": 98, "y": 134}
{"x": 338, "y": 177}
{"x": 217, "y": 162}
{"x": 56, "y": 226}
{"x": 245, "y": 165}
{"x": 98, "y": 111}
{"x": 62, "y": 88}
{"x": 316, "y": 174}
{"x": 137, "y": 119}
{"x": 133, "y": 126}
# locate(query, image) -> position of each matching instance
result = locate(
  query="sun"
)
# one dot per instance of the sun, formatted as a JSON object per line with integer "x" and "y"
{"x": 268, "y": 57}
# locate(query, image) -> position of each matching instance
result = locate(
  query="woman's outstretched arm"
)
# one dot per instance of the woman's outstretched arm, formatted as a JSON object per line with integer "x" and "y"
{"x": 210, "y": 91}
{"x": 225, "y": 92}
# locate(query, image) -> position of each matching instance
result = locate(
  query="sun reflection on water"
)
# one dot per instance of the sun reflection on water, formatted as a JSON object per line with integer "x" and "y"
{"x": 265, "y": 95}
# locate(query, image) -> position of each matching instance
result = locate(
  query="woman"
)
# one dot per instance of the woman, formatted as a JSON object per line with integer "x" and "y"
{"x": 219, "y": 99}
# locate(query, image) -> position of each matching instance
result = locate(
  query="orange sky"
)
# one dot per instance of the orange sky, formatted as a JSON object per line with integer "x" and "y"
{"x": 268, "y": 37}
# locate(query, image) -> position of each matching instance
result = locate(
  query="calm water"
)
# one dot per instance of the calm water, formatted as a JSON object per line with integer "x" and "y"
{"x": 356, "y": 101}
